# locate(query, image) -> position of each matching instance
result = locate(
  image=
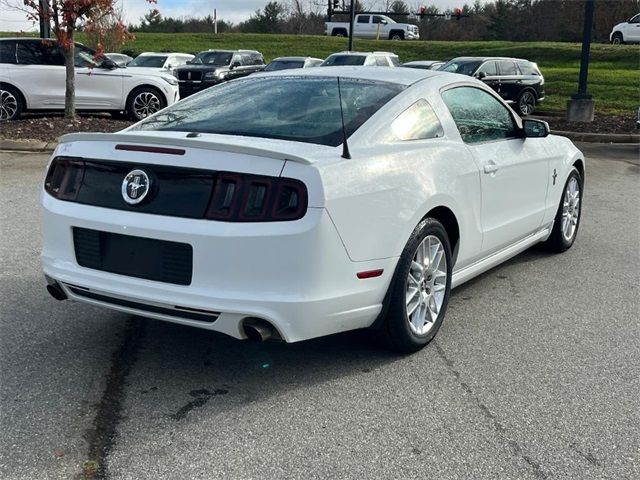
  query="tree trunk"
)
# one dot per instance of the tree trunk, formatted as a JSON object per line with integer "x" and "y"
{"x": 70, "y": 91}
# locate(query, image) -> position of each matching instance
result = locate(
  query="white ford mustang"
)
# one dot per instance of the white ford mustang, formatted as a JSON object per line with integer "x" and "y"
{"x": 299, "y": 205}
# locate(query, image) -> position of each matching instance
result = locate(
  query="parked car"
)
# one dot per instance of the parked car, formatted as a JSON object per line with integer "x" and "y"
{"x": 33, "y": 77}
{"x": 626, "y": 32}
{"x": 519, "y": 82}
{"x": 160, "y": 62}
{"x": 374, "y": 26}
{"x": 120, "y": 59}
{"x": 424, "y": 64}
{"x": 380, "y": 59}
{"x": 301, "y": 205}
{"x": 211, "y": 67}
{"x": 287, "y": 63}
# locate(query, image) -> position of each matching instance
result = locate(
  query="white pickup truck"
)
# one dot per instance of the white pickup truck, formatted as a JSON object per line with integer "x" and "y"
{"x": 366, "y": 26}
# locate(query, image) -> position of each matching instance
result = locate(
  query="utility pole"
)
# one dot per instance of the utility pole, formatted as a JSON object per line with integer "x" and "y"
{"x": 581, "y": 106}
{"x": 352, "y": 17}
{"x": 215, "y": 21}
{"x": 45, "y": 24}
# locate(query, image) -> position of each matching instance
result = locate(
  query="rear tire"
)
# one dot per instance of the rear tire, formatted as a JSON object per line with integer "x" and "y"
{"x": 567, "y": 220}
{"x": 419, "y": 292}
{"x": 339, "y": 33}
{"x": 617, "y": 39}
{"x": 10, "y": 102}
{"x": 526, "y": 103}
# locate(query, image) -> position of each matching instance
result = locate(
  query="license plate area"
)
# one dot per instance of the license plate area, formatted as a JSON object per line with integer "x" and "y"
{"x": 140, "y": 257}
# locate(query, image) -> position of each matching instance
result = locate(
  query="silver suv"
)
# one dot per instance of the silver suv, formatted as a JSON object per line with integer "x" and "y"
{"x": 373, "y": 59}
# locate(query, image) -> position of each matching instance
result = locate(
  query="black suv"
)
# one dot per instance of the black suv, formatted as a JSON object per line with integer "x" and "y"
{"x": 517, "y": 81}
{"x": 214, "y": 66}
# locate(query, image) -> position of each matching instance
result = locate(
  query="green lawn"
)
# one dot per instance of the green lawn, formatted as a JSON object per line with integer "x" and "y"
{"x": 614, "y": 73}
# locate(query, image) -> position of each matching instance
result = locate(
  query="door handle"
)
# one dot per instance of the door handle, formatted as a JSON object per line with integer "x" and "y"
{"x": 490, "y": 167}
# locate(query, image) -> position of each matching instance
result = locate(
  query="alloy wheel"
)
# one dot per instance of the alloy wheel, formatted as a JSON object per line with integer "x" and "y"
{"x": 8, "y": 105}
{"x": 145, "y": 104}
{"x": 570, "y": 209}
{"x": 527, "y": 103}
{"x": 426, "y": 285}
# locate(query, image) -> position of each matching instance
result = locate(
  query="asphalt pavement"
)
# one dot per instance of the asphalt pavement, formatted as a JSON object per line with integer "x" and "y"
{"x": 535, "y": 372}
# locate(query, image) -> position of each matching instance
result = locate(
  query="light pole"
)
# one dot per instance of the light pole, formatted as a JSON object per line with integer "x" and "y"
{"x": 352, "y": 16}
{"x": 581, "y": 106}
{"x": 45, "y": 25}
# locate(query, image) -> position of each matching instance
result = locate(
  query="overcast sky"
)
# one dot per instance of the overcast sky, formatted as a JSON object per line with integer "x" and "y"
{"x": 233, "y": 11}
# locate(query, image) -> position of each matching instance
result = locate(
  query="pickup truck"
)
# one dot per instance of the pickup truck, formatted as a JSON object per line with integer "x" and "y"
{"x": 366, "y": 26}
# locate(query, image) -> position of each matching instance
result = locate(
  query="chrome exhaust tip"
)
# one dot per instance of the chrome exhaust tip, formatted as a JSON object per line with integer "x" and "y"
{"x": 258, "y": 330}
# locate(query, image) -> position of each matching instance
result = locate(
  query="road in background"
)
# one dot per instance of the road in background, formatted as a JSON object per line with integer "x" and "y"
{"x": 534, "y": 374}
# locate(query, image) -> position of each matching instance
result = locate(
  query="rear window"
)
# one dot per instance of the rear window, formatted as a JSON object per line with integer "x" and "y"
{"x": 302, "y": 109}
{"x": 284, "y": 65}
{"x": 461, "y": 67}
{"x": 334, "y": 60}
{"x": 507, "y": 67}
{"x": 528, "y": 68}
{"x": 152, "y": 61}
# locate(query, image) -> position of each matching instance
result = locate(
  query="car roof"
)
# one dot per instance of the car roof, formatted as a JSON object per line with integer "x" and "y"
{"x": 346, "y": 52}
{"x": 294, "y": 59}
{"x": 484, "y": 59}
{"x": 229, "y": 51}
{"x": 423, "y": 62}
{"x": 404, "y": 76}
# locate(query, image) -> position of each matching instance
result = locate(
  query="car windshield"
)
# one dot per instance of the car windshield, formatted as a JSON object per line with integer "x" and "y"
{"x": 343, "y": 60}
{"x": 302, "y": 109}
{"x": 462, "y": 67}
{"x": 284, "y": 65}
{"x": 153, "y": 61}
{"x": 218, "y": 59}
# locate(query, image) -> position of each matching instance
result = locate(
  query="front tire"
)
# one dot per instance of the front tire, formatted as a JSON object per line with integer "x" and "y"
{"x": 396, "y": 36}
{"x": 567, "y": 221}
{"x": 617, "y": 39}
{"x": 420, "y": 289}
{"x": 10, "y": 103}
{"x": 144, "y": 101}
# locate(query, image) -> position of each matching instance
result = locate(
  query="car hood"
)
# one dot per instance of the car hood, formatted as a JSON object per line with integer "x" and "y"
{"x": 200, "y": 68}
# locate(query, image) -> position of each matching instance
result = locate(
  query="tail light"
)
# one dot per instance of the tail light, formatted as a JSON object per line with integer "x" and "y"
{"x": 252, "y": 198}
{"x": 64, "y": 178}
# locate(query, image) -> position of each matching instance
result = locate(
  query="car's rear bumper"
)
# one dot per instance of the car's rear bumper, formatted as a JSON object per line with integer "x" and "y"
{"x": 295, "y": 275}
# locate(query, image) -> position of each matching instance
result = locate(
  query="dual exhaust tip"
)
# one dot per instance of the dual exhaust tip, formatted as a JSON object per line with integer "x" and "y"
{"x": 256, "y": 329}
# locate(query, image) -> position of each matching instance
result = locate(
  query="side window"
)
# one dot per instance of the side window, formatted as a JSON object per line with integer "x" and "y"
{"x": 635, "y": 19}
{"x": 395, "y": 61}
{"x": 377, "y": 19}
{"x": 83, "y": 57}
{"x": 489, "y": 68}
{"x": 236, "y": 59}
{"x": 418, "y": 122}
{"x": 35, "y": 53}
{"x": 382, "y": 62}
{"x": 257, "y": 59}
{"x": 370, "y": 61}
{"x": 527, "y": 68}
{"x": 478, "y": 115}
{"x": 363, "y": 19}
{"x": 507, "y": 67}
{"x": 8, "y": 52}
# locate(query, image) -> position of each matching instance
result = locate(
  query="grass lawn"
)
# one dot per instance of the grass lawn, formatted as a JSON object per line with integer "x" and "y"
{"x": 614, "y": 72}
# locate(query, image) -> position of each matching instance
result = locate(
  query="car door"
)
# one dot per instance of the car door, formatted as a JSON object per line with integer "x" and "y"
{"x": 514, "y": 170}
{"x": 510, "y": 81}
{"x": 488, "y": 73}
{"x": 40, "y": 71}
{"x": 377, "y": 22}
{"x": 97, "y": 88}
{"x": 632, "y": 30}
{"x": 362, "y": 26}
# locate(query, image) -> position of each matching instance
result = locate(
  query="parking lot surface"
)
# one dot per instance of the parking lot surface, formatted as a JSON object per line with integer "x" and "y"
{"x": 534, "y": 374}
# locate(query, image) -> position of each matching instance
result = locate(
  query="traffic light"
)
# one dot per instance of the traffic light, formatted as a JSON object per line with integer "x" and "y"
{"x": 423, "y": 9}
{"x": 458, "y": 13}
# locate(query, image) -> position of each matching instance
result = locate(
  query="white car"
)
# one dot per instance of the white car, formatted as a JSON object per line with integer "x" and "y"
{"x": 33, "y": 78}
{"x": 299, "y": 205}
{"x": 626, "y": 32}
{"x": 368, "y": 59}
{"x": 160, "y": 62}
{"x": 374, "y": 26}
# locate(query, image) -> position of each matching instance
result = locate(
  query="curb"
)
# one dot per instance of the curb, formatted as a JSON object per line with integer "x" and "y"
{"x": 599, "y": 137}
{"x": 27, "y": 145}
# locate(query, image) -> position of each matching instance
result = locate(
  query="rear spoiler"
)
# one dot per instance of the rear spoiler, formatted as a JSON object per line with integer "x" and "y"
{"x": 139, "y": 139}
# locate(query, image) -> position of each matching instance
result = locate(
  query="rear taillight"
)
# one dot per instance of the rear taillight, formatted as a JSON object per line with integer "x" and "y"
{"x": 64, "y": 178}
{"x": 252, "y": 198}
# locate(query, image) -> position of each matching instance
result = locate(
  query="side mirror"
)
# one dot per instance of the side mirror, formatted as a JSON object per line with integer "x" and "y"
{"x": 189, "y": 62}
{"x": 108, "y": 64}
{"x": 383, "y": 22}
{"x": 169, "y": 67}
{"x": 535, "y": 128}
{"x": 234, "y": 65}
{"x": 481, "y": 75}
